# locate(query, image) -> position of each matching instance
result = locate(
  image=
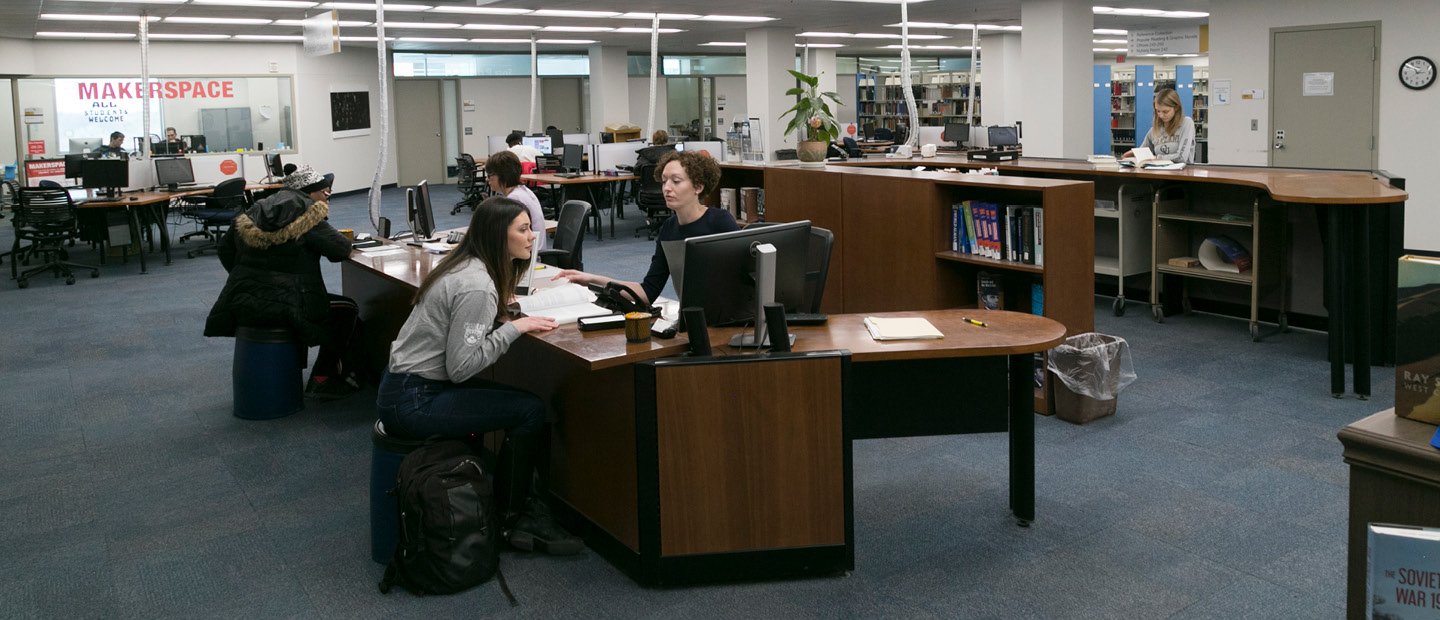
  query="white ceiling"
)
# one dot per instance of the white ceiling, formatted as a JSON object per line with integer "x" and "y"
{"x": 21, "y": 19}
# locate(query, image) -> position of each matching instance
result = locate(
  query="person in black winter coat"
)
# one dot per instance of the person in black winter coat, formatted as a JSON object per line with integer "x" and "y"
{"x": 273, "y": 253}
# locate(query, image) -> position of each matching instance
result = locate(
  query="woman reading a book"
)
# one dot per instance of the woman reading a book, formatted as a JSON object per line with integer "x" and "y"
{"x": 1171, "y": 136}
{"x": 458, "y": 327}
{"x": 687, "y": 179}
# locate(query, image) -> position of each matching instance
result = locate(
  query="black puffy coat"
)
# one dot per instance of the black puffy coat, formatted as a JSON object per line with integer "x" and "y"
{"x": 273, "y": 255}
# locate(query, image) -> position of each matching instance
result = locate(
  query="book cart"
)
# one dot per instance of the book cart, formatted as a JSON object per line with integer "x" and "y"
{"x": 1122, "y": 233}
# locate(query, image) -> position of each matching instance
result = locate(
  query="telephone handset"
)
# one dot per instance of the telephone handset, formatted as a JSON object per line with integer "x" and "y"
{"x": 620, "y": 298}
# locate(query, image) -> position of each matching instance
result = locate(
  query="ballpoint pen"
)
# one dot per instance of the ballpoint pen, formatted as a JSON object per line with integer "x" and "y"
{"x": 975, "y": 322}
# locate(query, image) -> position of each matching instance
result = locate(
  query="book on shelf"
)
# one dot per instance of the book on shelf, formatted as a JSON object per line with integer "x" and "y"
{"x": 1417, "y": 339}
{"x": 901, "y": 328}
{"x": 565, "y": 303}
{"x": 1402, "y": 576}
{"x": 989, "y": 291}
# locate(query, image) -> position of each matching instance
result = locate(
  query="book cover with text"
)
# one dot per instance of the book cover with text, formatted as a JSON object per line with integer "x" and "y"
{"x": 1417, "y": 339}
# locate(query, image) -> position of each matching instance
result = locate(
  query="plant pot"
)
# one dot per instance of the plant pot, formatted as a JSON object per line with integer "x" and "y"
{"x": 811, "y": 151}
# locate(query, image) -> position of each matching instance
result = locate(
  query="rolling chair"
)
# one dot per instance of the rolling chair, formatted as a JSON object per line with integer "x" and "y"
{"x": 472, "y": 186}
{"x": 45, "y": 217}
{"x": 568, "y": 248}
{"x": 215, "y": 213}
{"x": 852, "y": 148}
{"x": 882, "y": 133}
{"x": 557, "y": 140}
{"x": 651, "y": 200}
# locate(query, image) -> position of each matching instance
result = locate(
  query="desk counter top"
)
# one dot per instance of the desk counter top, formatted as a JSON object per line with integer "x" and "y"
{"x": 584, "y": 178}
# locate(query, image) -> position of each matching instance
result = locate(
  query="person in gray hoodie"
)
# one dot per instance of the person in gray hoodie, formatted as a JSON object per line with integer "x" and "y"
{"x": 272, "y": 253}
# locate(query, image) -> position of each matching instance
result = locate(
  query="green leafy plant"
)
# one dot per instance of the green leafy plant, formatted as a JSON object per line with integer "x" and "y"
{"x": 811, "y": 111}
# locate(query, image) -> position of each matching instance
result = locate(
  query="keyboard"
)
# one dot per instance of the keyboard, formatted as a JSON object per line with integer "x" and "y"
{"x": 569, "y": 175}
{"x": 806, "y": 318}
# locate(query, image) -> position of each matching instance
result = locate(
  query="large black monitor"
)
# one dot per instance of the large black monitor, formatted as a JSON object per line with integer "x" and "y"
{"x": 1002, "y": 136}
{"x": 959, "y": 133}
{"x": 273, "y": 166}
{"x": 574, "y": 158}
{"x": 173, "y": 147}
{"x": 106, "y": 174}
{"x": 173, "y": 171}
{"x": 422, "y": 217}
{"x": 73, "y": 163}
{"x": 719, "y": 271}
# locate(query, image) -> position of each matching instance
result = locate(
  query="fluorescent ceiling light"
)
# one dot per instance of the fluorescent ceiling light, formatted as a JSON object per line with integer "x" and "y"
{"x": 663, "y": 16}
{"x": 577, "y": 29}
{"x": 95, "y": 18}
{"x": 188, "y": 36}
{"x": 1136, "y": 12}
{"x": 498, "y": 27}
{"x": 888, "y": 35}
{"x": 724, "y": 44}
{"x": 1183, "y": 14}
{"x": 86, "y": 35}
{"x": 273, "y": 4}
{"x": 476, "y": 10}
{"x": 430, "y": 25}
{"x": 922, "y": 47}
{"x": 735, "y": 18}
{"x": 363, "y": 39}
{"x": 432, "y": 40}
{"x": 824, "y": 34}
{"x": 647, "y": 30}
{"x": 344, "y": 23}
{"x": 883, "y": 1}
{"x": 134, "y": 1}
{"x": 565, "y": 41}
{"x": 229, "y": 21}
{"x": 499, "y": 40}
{"x": 364, "y": 6}
{"x": 920, "y": 25}
{"x": 569, "y": 13}
{"x": 1109, "y": 31}
{"x": 819, "y": 45}
{"x": 269, "y": 37}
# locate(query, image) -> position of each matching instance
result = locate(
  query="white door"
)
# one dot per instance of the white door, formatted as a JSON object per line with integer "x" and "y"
{"x": 419, "y": 148}
{"x": 1322, "y": 96}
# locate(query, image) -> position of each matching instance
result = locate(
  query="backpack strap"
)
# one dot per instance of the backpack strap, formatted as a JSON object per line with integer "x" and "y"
{"x": 504, "y": 587}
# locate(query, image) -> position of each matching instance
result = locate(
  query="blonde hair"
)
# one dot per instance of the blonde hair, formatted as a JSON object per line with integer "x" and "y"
{"x": 1168, "y": 98}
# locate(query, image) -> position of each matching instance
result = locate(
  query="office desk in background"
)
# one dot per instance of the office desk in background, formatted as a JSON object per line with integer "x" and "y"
{"x": 591, "y": 182}
{"x": 156, "y": 204}
{"x": 619, "y": 457}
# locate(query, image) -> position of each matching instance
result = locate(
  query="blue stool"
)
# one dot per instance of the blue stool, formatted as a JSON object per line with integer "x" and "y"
{"x": 386, "y": 452}
{"x": 266, "y": 373}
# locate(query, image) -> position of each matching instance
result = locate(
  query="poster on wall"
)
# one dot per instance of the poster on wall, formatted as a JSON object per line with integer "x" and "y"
{"x": 88, "y": 110}
{"x": 350, "y": 113}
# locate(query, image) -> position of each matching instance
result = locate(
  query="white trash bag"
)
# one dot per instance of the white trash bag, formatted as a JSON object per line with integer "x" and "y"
{"x": 1093, "y": 365}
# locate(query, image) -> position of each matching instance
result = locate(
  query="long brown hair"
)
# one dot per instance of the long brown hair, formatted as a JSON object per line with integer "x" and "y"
{"x": 1168, "y": 98}
{"x": 487, "y": 239}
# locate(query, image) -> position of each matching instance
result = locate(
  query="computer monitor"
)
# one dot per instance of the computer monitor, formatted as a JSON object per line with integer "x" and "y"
{"x": 959, "y": 133}
{"x": 422, "y": 218}
{"x": 73, "y": 162}
{"x": 273, "y": 166}
{"x": 173, "y": 171}
{"x": 718, "y": 272}
{"x": 173, "y": 147}
{"x": 1001, "y": 136}
{"x": 83, "y": 145}
{"x": 539, "y": 143}
{"x": 574, "y": 158}
{"x": 197, "y": 143}
{"x": 105, "y": 174}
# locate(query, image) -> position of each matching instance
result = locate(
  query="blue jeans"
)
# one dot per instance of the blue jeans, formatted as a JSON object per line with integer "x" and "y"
{"x": 416, "y": 407}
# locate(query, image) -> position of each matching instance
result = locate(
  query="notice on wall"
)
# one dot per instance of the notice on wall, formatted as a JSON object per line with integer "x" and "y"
{"x": 1220, "y": 91}
{"x": 1319, "y": 84}
{"x": 35, "y": 147}
{"x": 33, "y": 116}
{"x": 1152, "y": 41}
{"x": 43, "y": 169}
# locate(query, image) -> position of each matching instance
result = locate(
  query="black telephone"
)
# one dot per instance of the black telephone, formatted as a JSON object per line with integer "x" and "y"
{"x": 617, "y": 297}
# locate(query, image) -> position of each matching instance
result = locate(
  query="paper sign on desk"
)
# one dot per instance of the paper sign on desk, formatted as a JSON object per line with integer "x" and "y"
{"x": 901, "y": 328}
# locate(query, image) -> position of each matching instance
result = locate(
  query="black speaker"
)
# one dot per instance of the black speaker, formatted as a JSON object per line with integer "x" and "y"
{"x": 696, "y": 329}
{"x": 775, "y": 325}
{"x": 384, "y": 227}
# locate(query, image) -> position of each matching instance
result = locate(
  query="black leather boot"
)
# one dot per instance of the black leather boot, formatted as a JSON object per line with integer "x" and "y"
{"x": 528, "y": 522}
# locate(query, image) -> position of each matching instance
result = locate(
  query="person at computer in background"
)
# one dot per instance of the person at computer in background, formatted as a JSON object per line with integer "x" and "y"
{"x": 459, "y": 326}
{"x": 273, "y": 253}
{"x": 173, "y": 144}
{"x": 687, "y": 179}
{"x": 502, "y": 172}
{"x": 524, "y": 151}
{"x": 116, "y": 147}
{"x": 1172, "y": 135}
{"x": 659, "y": 146}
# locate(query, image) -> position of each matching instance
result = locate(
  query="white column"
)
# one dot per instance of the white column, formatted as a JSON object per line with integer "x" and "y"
{"x": 1002, "y": 89}
{"x": 1056, "y": 74}
{"x": 609, "y": 87}
{"x": 769, "y": 53}
{"x": 820, "y": 62}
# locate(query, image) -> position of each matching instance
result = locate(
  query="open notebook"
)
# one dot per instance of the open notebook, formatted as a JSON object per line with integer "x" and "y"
{"x": 565, "y": 303}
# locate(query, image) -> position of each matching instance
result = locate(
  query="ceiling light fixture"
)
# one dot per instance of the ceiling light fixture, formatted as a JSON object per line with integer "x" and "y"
{"x": 565, "y": 41}
{"x": 921, "y": 25}
{"x": 825, "y": 34}
{"x": 723, "y": 44}
{"x": 70, "y": 17}
{"x": 476, "y": 10}
{"x": 499, "y": 40}
{"x": 577, "y": 29}
{"x": 365, "y": 6}
{"x": 228, "y": 21}
{"x": 188, "y": 36}
{"x": 1184, "y": 14}
{"x": 498, "y": 27}
{"x": 647, "y": 30}
{"x": 269, "y": 37}
{"x": 342, "y": 23}
{"x": 663, "y": 16}
{"x": 735, "y": 18}
{"x": 432, "y": 40}
{"x": 819, "y": 45}
{"x": 429, "y": 25}
{"x": 272, "y": 4}
{"x": 86, "y": 35}
{"x": 570, "y": 13}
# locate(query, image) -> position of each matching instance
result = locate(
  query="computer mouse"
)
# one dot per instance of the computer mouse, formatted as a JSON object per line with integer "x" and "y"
{"x": 132, "y": 198}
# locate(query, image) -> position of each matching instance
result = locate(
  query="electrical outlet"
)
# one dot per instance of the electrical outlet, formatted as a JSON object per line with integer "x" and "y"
{"x": 1254, "y": 124}
{"x": 274, "y": 67}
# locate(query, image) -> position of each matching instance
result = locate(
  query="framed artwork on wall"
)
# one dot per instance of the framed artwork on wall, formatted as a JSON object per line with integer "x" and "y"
{"x": 350, "y": 113}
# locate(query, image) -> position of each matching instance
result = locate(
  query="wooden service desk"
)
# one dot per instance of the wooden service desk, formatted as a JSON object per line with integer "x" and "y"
{"x": 737, "y": 465}
{"x": 1394, "y": 478}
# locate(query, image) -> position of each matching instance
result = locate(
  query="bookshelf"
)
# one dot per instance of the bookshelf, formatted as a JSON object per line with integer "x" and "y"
{"x": 1122, "y": 111}
{"x": 939, "y": 98}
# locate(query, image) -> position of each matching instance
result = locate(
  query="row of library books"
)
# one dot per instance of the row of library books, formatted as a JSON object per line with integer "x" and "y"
{"x": 994, "y": 230}
{"x": 990, "y": 295}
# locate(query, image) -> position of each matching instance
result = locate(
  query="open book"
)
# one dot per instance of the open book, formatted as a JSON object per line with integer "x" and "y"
{"x": 1145, "y": 158}
{"x": 564, "y": 303}
{"x": 901, "y": 328}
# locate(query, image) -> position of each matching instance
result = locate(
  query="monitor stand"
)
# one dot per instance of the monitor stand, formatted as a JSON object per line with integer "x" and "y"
{"x": 764, "y": 254}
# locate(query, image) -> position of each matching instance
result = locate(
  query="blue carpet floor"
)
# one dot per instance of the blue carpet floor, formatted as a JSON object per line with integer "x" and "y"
{"x": 127, "y": 490}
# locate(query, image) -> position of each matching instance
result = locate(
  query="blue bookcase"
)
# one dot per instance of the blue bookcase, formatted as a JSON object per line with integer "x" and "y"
{"x": 1101, "y": 89}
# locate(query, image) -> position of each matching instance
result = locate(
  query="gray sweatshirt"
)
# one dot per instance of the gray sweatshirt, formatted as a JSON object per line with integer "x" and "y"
{"x": 1179, "y": 146}
{"x": 451, "y": 334}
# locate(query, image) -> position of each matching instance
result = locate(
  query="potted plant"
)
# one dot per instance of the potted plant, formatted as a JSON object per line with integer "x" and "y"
{"x": 812, "y": 113}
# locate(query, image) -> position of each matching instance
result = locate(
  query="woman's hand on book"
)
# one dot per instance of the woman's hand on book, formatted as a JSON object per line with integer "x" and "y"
{"x": 580, "y": 277}
{"x": 530, "y": 324}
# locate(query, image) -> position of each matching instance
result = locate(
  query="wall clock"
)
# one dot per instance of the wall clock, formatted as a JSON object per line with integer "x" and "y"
{"x": 1417, "y": 72}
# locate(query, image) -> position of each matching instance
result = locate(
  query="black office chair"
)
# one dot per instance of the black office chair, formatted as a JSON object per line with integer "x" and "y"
{"x": 882, "y": 133}
{"x": 852, "y": 148}
{"x": 215, "y": 213}
{"x": 473, "y": 188}
{"x": 817, "y": 265}
{"x": 568, "y": 248}
{"x": 901, "y": 134}
{"x": 650, "y": 199}
{"x": 557, "y": 140}
{"x": 45, "y": 217}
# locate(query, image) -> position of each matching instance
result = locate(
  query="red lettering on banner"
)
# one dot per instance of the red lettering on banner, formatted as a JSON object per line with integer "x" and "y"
{"x": 227, "y": 89}
{"x": 170, "y": 91}
{"x": 44, "y": 168}
{"x": 228, "y": 167}
{"x": 124, "y": 91}
{"x": 108, "y": 92}
{"x": 35, "y": 147}
{"x": 184, "y": 89}
{"x": 199, "y": 89}
{"x": 89, "y": 91}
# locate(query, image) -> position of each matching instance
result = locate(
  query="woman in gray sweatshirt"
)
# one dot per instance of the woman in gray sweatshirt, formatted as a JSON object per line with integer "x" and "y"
{"x": 458, "y": 327}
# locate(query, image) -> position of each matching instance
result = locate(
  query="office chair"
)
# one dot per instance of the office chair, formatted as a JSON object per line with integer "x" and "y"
{"x": 867, "y": 131}
{"x": 567, "y": 250}
{"x": 882, "y": 133}
{"x": 650, "y": 198}
{"x": 852, "y": 148}
{"x": 901, "y": 133}
{"x": 215, "y": 213}
{"x": 817, "y": 265}
{"x": 45, "y": 217}
{"x": 472, "y": 187}
{"x": 557, "y": 139}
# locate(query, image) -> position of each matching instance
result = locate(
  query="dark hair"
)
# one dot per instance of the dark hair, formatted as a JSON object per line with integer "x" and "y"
{"x": 513, "y": 139}
{"x": 702, "y": 169}
{"x": 505, "y": 167}
{"x": 488, "y": 239}
{"x": 659, "y": 137}
{"x": 116, "y": 134}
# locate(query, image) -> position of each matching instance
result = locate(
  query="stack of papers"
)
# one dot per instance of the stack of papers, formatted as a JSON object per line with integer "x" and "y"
{"x": 902, "y": 328}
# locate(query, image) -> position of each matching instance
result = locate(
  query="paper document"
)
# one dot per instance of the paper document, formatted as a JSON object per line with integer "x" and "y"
{"x": 383, "y": 250}
{"x": 564, "y": 303}
{"x": 903, "y": 328}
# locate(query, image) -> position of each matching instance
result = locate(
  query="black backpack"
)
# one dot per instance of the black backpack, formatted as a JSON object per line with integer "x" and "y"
{"x": 449, "y": 533}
